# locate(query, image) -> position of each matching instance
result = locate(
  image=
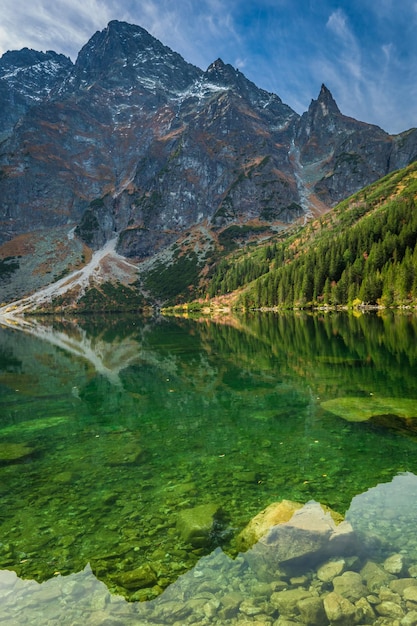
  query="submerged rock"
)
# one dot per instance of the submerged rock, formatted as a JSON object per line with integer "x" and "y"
{"x": 199, "y": 525}
{"x": 139, "y": 578}
{"x": 312, "y": 611}
{"x": 340, "y": 611}
{"x": 287, "y": 601}
{"x": 310, "y": 536}
{"x": 363, "y": 408}
{"x": 329, "y": 570}
{"x": 375, "y": 576}
{"x": 410, "y": 619}
{"x": 275, "y": 513}
{"x": 14, "y": 451}
{"x": 350, "y": 586}
{"x": 394, "y": 564}
{"x": 389, "y": 609}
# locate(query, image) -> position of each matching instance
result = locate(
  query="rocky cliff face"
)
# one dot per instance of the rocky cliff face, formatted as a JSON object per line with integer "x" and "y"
{"x": 133, "y": 140}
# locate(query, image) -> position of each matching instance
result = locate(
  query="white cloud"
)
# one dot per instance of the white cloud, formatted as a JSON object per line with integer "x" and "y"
{"x": 63, "y": 26}
{"x": 240, "y": 63}
{"x": 337, "y": 22}
{"x": 387, "y": 50}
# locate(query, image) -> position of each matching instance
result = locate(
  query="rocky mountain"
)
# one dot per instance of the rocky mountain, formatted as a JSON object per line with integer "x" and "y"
{"x": 340, "y": 155}
{"x": 26, "y": 79}
{"x": 133, "y": 141}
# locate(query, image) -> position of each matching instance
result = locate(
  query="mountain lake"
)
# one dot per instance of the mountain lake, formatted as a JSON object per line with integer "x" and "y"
{"x": 114, "y": 428}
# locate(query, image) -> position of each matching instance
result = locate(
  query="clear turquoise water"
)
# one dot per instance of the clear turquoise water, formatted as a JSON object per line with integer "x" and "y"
{"x": 109, "y": 427}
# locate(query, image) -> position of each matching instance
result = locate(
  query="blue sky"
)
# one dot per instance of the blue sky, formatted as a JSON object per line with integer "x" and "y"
{"x": 365, "y": 51}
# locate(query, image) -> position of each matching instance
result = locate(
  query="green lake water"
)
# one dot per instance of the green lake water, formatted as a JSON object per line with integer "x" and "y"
{"x": 110, "y": 427}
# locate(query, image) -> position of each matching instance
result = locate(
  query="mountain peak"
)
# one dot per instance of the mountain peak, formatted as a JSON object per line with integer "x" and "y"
{"x": 326, "y": 101}
{"x": 222, "y": 72}
{"x": 218, "y": 64}
{"x": 133, "y": 139}
{"x": 226, "y": 76}
{"x": 126, "y": 53}
{"x": 27, "y": 77}
{"x": 119, "y": 30}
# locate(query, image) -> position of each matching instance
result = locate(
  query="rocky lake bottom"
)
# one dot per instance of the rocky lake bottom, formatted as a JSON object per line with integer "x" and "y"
{"x": 134, "y": 454}
{"x": 254, "y": 588}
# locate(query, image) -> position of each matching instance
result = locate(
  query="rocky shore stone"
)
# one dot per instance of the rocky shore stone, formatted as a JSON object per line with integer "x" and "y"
{"x": 287, "y": 601}
{"x": 410, "y": 619}
{"x": 389, "y": 609}
{"x": 410, "y": 594}
{"x": 394, "y": 564}
{"x": 312, "y": 611}
{"x": 230, "y": 604}
{"x": 366, "y": 612}
{"x": 375, "y": 576}
{"x": 399, "y": 584}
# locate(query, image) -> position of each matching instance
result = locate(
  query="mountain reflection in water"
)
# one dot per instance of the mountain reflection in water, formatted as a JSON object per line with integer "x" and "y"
{"x": 111, "y": 427}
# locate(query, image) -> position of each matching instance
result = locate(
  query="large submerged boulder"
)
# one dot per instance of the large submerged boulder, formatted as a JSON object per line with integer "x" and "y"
{"x": 388, "y": 411}
{"x": 311, "y": 535}
{"x": 275, "y": 513}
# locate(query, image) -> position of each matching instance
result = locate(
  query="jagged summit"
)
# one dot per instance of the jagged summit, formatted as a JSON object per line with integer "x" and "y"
{"x": 227, "y": 77}
{"x": 125, "y": 52}
{"x": 27, "y": 57}
{"x": 218, "y": 70}
{"x": 31, "y": 72}
{"x": 324, "y": 106}
{"x": 327, "y": 102}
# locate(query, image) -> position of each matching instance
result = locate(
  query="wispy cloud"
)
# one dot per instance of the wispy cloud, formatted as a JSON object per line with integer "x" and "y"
{"x": 240, "y": 63}
{"x": 349, "y": 55}
{"x": 42, "y": 25}
{"x": 337, "y": 22}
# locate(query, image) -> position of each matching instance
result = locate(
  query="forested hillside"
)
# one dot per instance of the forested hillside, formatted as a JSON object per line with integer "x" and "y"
{"x": 363, "y": 251}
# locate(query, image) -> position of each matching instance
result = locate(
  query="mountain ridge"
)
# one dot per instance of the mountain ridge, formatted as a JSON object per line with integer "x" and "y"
{"x": 133, "y": 141}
